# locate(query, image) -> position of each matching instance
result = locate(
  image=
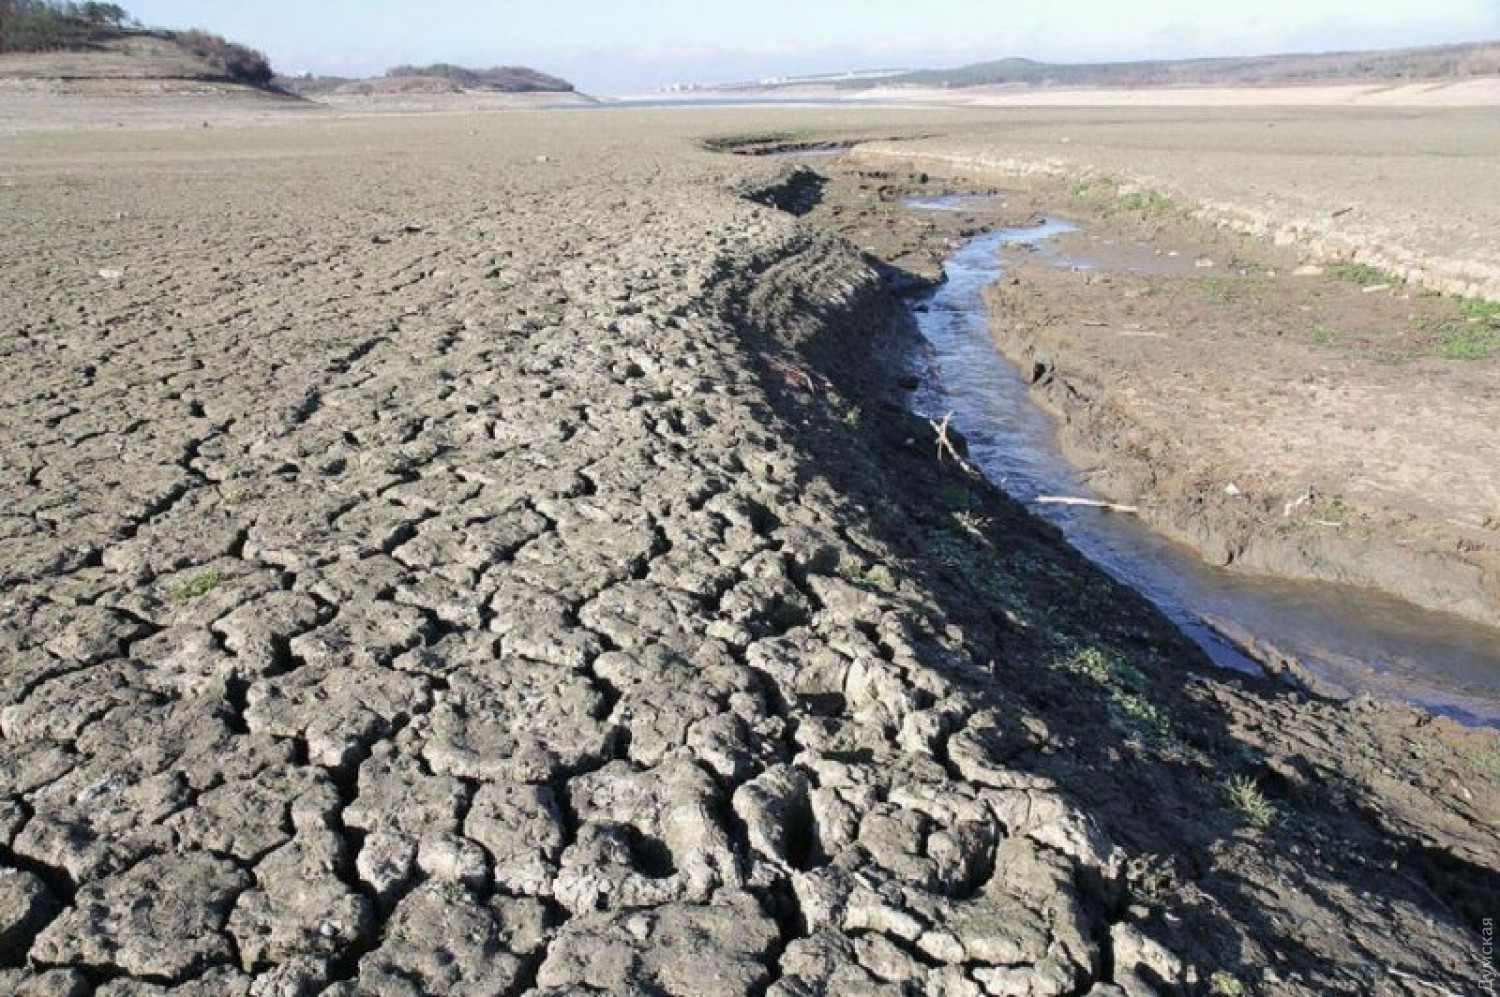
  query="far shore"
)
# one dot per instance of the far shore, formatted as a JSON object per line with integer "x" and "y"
{"x": 1476, "y": 92}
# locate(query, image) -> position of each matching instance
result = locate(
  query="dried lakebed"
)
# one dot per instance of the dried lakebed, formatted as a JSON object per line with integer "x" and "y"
{"x": 469, "y": 555}
{"x": 1348, "y": 640}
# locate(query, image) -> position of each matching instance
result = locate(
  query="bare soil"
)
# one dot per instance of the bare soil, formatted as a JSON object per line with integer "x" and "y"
{"x": 481, "y": 553}
{"x": 1304, "y": 426}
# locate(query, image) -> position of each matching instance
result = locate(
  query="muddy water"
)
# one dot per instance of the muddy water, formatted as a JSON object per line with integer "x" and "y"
{"x": 1349, "y": 640}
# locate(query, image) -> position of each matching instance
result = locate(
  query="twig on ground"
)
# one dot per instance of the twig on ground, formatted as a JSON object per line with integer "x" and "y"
{"x": 945, "y": 445}
{"x": 1129, "y": 510}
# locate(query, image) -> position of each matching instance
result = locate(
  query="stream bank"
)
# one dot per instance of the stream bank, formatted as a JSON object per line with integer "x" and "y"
{"x": 1378, "y": 821}
{"x": 1275, "y": 605}
{"x": 1284, "y": 419}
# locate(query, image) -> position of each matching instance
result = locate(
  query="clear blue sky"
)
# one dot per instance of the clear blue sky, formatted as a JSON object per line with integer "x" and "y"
{"x": 611, "y": 46}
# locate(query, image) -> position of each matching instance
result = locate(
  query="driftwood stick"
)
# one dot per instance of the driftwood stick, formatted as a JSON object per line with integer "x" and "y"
{"x": 945, "y": 445}
{"x": 1129, "y": 510}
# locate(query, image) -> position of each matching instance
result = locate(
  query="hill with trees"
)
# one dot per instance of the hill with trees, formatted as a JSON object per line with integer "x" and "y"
{"x": 506, "y": 79}
{"x": 437, "y": 78}
{"x": 56, "y": 39}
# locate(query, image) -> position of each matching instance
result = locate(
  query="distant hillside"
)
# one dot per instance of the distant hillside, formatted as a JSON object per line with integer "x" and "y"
{"x": 439, "y": 77}
{"x": 1433, "y": 63}
{"x": 48, "y": 39}
{"x": 506, "y": 79}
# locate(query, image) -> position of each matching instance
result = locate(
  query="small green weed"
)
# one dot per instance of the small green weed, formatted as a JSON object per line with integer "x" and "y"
{"x": 1488, "y": 761}
{"x": 1148, "y": 204}
{"x": 877, "y": 576}
{"x": 980, "y": 565}
{"x": 1477, "y": 310}
{"x": 1333, "y": 510}
{"x": 1222, "y": 289}
{"x": 1246, "y": 799}
{"x": 1363, "y": 274}
{"x": 196, "y": 586}
{"x": 1126, "y": 687}
{"x": 852, "y": 416}
{"x": 1467, "y": 342}
{"x": 1223, "y": 984}
{"x": 1090, "y": 189}
{"x": 1151, "y": 879}
{"x": 1381, "y": 346}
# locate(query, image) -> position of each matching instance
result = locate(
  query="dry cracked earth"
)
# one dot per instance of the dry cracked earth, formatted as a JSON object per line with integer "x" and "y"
{"x": 428, "y": 603}
{"x": 411, "y": 586}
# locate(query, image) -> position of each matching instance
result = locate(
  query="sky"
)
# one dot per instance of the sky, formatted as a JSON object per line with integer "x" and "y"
{"x": 632, "y": 46}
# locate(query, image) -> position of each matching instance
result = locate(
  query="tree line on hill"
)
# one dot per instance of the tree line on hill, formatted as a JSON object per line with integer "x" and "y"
{"x": 60, "y": 25}
{"x": 511, "y": 79}
{"x": 46, "y": 25}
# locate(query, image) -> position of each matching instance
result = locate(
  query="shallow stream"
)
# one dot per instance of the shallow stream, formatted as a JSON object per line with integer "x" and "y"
{"x": 1350, "y": 640}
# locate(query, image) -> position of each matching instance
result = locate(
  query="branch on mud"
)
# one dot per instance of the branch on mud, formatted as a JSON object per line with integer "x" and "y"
{"x": 1129, "y": 510}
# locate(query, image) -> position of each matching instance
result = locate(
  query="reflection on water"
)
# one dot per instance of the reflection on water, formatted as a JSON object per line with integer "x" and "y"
{"x": 1349, "y": 639}
{"x": 957, "y": 202}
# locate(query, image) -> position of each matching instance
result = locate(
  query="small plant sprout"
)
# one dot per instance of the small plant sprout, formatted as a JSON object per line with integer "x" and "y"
{"x": 1223, "y": 984}
{"x": 1363, "y": 274}
{"x": 1246, "y": 799}
{"x": 198, "y": 585}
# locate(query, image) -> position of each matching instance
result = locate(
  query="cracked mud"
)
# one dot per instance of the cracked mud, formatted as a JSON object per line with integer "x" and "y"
{"x": 417, "y": 578}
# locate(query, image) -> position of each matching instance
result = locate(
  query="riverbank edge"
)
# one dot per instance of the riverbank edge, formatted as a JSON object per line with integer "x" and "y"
{"x": 1207, "y": 520}
{"x": 1322, "y": 762}
{"x": 1222, "y": 533}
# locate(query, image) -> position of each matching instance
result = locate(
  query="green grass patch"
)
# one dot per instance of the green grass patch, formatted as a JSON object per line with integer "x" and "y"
{"x": 1486, "y": 312}
{"x": 1381, "y": 346}
{"x": 1223, "y": 289}
{"x": 1467, "y": 342}
{"x": 1223, "y": 984}
{"x": 1148, "y": 205}
{"x": 1475, "y": 336}
{"x": 1488, "y": 761}
{"x": 198, "y": 585}
{"x": 1363, "y": 274}
{"x": 1125, "y": 688}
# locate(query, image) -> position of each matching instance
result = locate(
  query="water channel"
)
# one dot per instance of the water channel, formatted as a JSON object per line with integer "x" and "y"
{"x": 1351, "y": 640}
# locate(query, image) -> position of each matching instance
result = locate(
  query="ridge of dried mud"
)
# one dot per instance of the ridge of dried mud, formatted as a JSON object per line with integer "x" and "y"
{"x": 477, "y": 557}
